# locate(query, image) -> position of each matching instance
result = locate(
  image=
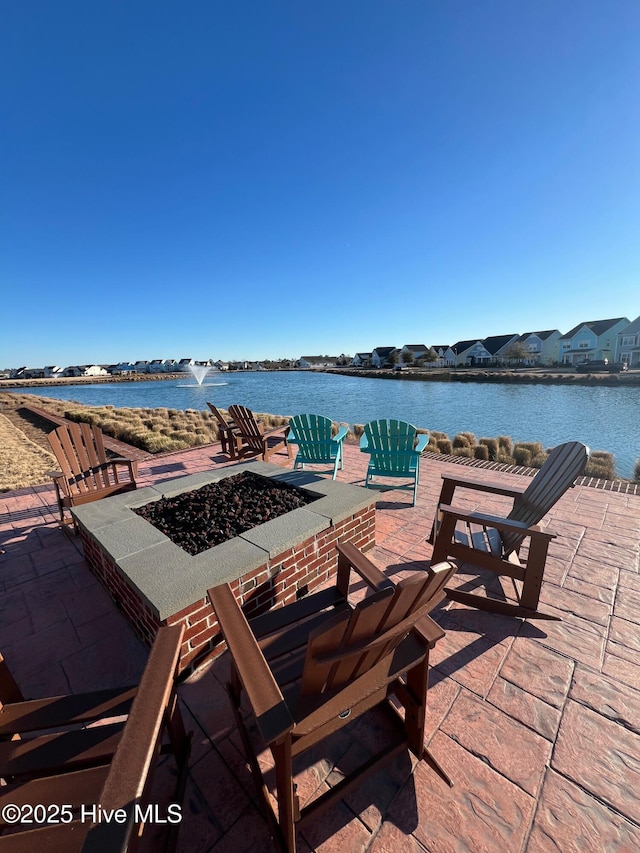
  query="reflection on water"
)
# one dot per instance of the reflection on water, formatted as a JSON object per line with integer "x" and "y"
{"x": 605, "y": 418}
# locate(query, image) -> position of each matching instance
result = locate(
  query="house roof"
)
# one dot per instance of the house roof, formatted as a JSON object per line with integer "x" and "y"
{"x": 598, "y": 327}
{"x": 461, "y": 346}
{"x": 496, "y": 342}
{"x": 384, "y": 350}
{"x": 632, "y": 328}
{"x": 542, "y": 335}
{"x": 415, "y": 347}
{"x": 442, "y": 347}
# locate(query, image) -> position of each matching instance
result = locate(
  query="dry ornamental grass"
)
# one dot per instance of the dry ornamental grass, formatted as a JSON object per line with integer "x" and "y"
{"x": 22, "y": 462}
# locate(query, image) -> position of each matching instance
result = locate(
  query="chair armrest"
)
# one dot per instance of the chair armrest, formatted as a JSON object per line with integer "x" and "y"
{"x": 132, "y": 765}
{"x": 272, "y": 714}
{"x": 428, "y": 630}
{"x": 340, "y": 435}
{"x": 281, "y": 429}
{"x": 423, "y": 440}
{"x": 351, "y": 558}
{"x": 364, "y": 444}
{"x": 497, "y": 522}
{"x": 57, "y": 475}
{"x": 494, "y": 487}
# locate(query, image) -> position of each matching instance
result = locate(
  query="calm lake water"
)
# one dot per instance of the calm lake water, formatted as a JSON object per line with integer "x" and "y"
{"x": 603, "y": 418}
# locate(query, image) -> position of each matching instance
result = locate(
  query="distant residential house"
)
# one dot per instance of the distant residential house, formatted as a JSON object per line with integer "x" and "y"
{"x": 142, "y": 366}
{"x": 33, "y": 373}
{"x": 121, "y": 367}
{"x": 468, "y": 353}
{"x": 542, "y": 347}
{"x": 85, "y": 370}
{"x": 440, "y": 351}
{"x": 17, "y": 372}
{"x": 628, "y": 344}
{"x": 593, "y": 340}
{"x": 160, "y": 365}
{"x": 185, "y": 363}
{"x": 307, "y": 361}
{"x": 383, "y": 356}
{"x": 361, "y": 359}
{"x": 412, "y": 353}
{"x": 51, "y": 371}
{"x": 498, "y": 346}
{"x": 221, "y": 365}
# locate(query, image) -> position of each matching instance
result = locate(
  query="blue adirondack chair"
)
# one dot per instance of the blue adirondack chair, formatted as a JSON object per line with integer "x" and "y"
{"x": 316, "y": 445}
{"x": 395, "y": 449}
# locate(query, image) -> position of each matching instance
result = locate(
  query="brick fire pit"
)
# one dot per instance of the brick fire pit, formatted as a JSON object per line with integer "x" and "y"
{"x": 157, "y": 583}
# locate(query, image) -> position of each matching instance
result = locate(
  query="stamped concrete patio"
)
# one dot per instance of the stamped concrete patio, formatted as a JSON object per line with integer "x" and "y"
{"x": 538, "y": 722}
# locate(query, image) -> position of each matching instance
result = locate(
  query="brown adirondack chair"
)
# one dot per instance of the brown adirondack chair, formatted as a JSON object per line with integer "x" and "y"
{"x": 255, "y": 441}
{"x": 312, "y": 667}
{"x": 86, "y": 473}
{"x": 229, "y": 433}
{"x": 106, "y": 765}
{"x": 494, "y": 543}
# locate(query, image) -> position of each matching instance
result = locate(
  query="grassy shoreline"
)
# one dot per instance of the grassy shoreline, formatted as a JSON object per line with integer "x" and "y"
{"x": 163, "y": 430}
{"x": 546, "y": 376}
{"x": 552, "y": 376}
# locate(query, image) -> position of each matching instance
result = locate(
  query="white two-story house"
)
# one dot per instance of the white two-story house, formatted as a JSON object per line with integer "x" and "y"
{"x": 471, "y": 352}
{"x": 594, "y": 340}
{"x": 383, "y": 356}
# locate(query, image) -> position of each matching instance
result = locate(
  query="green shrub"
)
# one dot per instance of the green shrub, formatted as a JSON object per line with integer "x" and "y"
{"x": 445, "y": 446}
{"x": 481, "y": 451}
{"x": 436, "y": 435}
{"x": 492, "y": 448}
{"x": 358, "y": 430}
{"x": 505, "y": 459}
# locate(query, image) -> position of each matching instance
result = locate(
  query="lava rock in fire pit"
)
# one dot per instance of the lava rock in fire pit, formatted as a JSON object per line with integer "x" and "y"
{"x": 202, "y": 518}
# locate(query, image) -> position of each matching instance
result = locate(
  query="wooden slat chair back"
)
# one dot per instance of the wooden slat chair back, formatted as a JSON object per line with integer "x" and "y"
{"x": 228, "y": 431}
{"x": 86, "y": 473}
{"x": 359, "y": 640}
{"x": 564, "y": 464}
{"x": 255, "y": 440}
{"x": 494, "y": 542}
{"x": 395, "y": 448}
{"x": 316, "y": 444}
{"x": 119, "y": 779}
{"x": 313, "y": 666}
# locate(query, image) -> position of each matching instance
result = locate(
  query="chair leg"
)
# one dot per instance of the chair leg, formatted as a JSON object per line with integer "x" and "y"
{"x": 287, "y": 800}
{"x": 532, "y": 583}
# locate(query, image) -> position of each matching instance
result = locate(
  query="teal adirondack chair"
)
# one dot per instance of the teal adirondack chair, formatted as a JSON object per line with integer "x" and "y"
{"x": 316, "y": 445}
{"x": 395, "y": 449}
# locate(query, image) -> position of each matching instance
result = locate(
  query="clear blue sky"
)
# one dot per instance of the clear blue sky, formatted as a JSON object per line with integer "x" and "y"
{"x": 263, "y": 179}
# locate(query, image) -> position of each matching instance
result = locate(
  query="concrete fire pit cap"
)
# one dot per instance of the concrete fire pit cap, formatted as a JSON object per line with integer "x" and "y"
{"x": 167, "y": 577}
